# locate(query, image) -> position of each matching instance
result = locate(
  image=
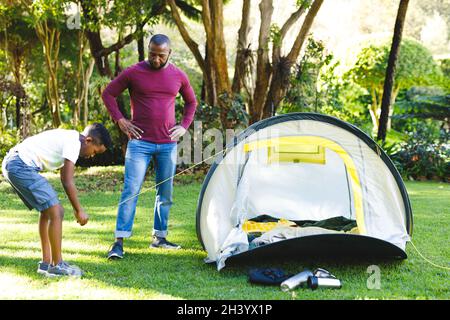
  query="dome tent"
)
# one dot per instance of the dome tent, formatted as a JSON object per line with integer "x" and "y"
{"x": 304, "y": 167}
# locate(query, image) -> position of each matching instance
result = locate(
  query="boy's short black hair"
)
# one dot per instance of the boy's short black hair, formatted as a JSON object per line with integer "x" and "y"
{"x": 99, "y": 133}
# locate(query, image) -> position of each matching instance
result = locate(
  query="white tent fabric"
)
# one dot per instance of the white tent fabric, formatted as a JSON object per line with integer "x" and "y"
{"x": 302, "y": 191}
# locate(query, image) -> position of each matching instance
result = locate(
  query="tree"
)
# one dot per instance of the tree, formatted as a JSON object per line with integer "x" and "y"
{"x": 214, "y": 65}
{"x": 242, "y": 64}
{"x": 47, "y": 16}
{"x": 17, "y": 39}
{"x": 390, "y": 70}
{"x": 122, "y": 15}
{"x": 125, "y": 14}
{"x": 314, "y": 87}
{"x": 93, "y": 23}
{"x": 415, "y": 67}
{"x": 282, "y": 65}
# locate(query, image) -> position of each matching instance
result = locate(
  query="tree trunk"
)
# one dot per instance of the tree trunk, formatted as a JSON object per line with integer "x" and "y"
{"x": 243, "y": 53}
{"x": 49, "y": 38}
{"x": 140, "y": 47}
{"x": 18, "y": 120}
{"x": 281, "y": 69}
{"x": 101, "y": 62}
{"x": 263, "y": 69}
{"x": 118, "y": 68}
{"x": 80, "y": 79}
{"x": 87, "y": 79}
{"x": 219, "y": 53}
{"x": 203, "y": 63}
{"x": 220, "y": 63}
{"x": 279, "y": 84}
{"x": 25, "y": 118}
{"x": 391, "y": 110}
{"x": 215, "y": 68}
{"x": 210, "y": 81}
{"x": 373, "y": 110}
{"x": 140, "y": 43}
{"x": 390, "y": 70}
{"x": 280, "y": 66}
{"x": 17, "y": 61}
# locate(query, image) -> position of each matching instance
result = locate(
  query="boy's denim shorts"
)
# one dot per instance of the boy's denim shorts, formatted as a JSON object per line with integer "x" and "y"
{"x": 34, "y": 190}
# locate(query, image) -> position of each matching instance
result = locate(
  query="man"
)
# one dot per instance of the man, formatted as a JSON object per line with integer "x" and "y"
{"x": 153, "y": 133}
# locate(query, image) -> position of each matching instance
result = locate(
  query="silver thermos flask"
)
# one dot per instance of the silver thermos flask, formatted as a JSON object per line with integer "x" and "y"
{"x": 316, "y": 282}
{"x": 295, "y": 281}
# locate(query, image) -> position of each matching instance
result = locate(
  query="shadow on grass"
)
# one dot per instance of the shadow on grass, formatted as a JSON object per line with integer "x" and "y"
{"x": 180, "y": 274}
{"x": 183, "y": 273}
{"x": 295, "y": 265}
{"x": 185, "y": 276}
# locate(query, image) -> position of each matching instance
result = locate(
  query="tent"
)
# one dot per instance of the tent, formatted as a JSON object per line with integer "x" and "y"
{"x": 299, "y": 171}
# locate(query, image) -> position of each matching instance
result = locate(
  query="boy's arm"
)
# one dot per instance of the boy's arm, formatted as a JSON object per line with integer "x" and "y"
{"x": 67, "y": 172}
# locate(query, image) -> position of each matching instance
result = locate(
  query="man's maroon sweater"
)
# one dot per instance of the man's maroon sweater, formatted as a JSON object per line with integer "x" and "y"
{"x": 152, "y": 95}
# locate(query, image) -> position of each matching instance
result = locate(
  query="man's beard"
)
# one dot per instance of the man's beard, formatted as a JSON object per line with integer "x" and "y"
{"x": 160, "y": 67}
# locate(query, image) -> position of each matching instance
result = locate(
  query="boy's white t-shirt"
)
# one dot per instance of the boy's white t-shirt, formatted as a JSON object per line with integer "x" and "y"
{"x": 47, "y": 150}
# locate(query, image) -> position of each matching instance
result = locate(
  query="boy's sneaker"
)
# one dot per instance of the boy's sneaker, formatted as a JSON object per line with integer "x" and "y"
{"x": 116, "y": 251}
{"x": 164, "y": 244}
{"x": 64, "y": 269}
{"x": 43, "y": 267}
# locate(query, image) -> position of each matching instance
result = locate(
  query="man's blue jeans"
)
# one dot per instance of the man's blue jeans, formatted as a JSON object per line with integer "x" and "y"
{"x": 137, "y": 159}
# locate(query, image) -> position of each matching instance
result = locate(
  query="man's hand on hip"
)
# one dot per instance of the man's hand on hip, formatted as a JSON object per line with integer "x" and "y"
{"x": 176, "y": 132}
{"x": 130, "y": 129}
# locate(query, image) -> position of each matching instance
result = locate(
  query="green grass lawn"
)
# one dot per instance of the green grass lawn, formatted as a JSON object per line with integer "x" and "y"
{"x": 182, "y": 274}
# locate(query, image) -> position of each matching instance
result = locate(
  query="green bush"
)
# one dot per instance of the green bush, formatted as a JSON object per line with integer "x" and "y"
{"x": 425, "y": 154}
{"x": 8, "y": 139}
{"x": 415, "y": 66}
{"x": 316, "y": 87}
{"x": 313, "y": 84}
{"x": 420, "y": 103}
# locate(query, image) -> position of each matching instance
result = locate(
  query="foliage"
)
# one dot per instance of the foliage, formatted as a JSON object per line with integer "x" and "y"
{"x": 425, "y": 154}
{"x": 51, "y": 10}
{"x": 415, "y": 66}
{"x": 445, "y": 67}
{"x": 210, "y": 115}
{"x": 313, "y": 83}
{"x": 8, "y": 139}
{"x": 421, "y": 106}
{"x": 444, "y": 80}
{"x": 236, "y": 114}
{"x": 275, "y": 35}
{"x": 183, "y": 59}
{"x": 416, "y": 105}
{"x": 307, "y": 3}
{"x": 353, "y": 100}
{"x": 316, "y": 87}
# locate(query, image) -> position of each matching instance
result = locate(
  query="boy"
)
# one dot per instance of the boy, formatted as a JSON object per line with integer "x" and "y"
{"x": 51, "y": 150}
